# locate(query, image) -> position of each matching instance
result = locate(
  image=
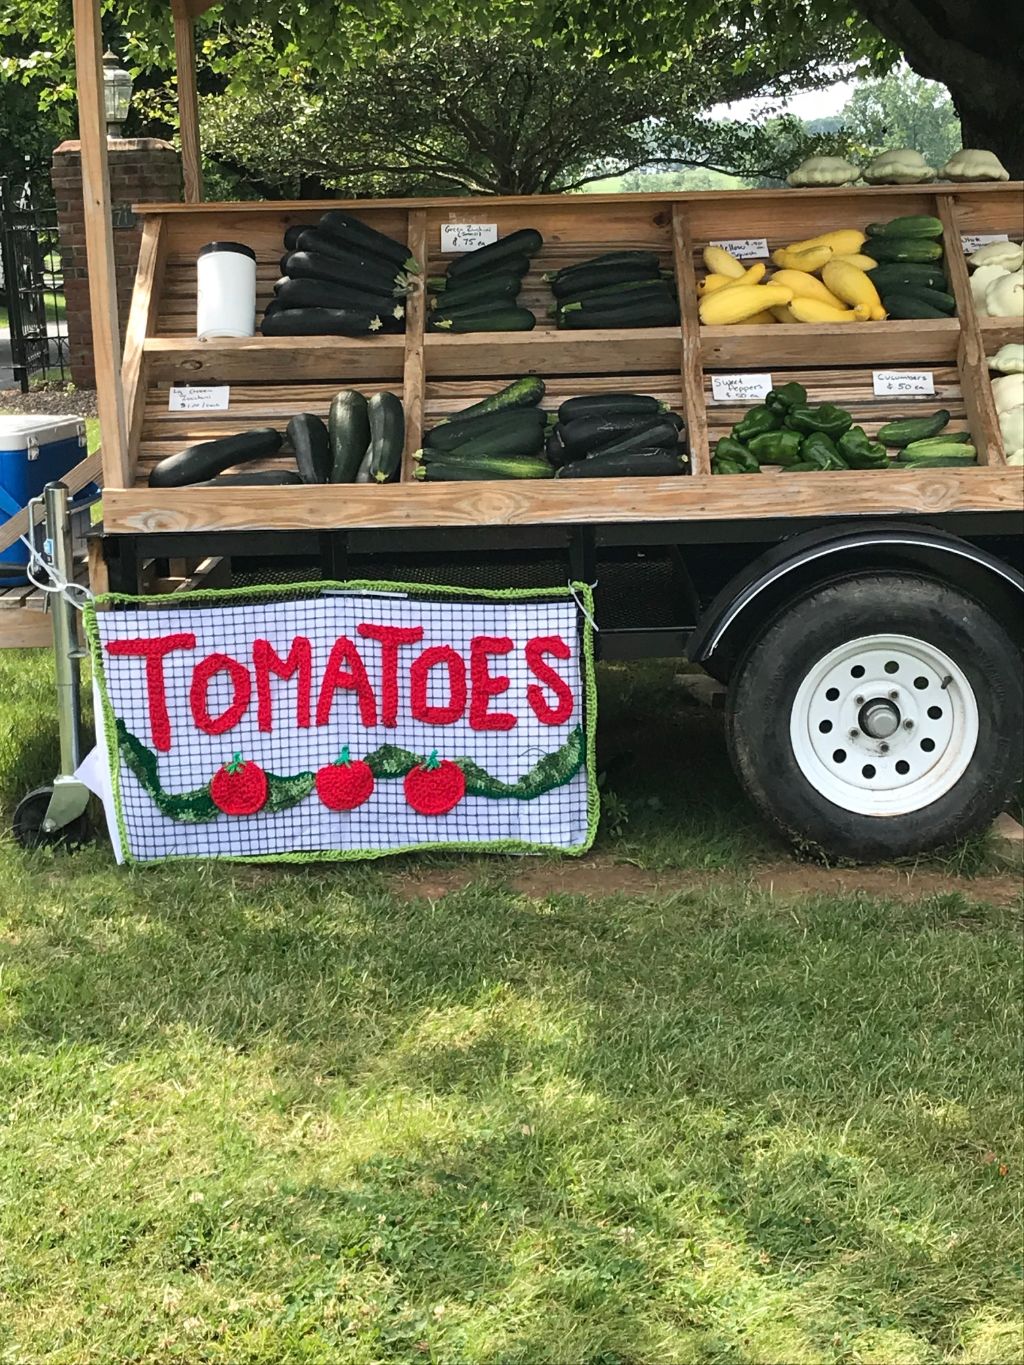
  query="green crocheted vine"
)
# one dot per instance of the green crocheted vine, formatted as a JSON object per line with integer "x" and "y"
{"x": 387, "y": 762}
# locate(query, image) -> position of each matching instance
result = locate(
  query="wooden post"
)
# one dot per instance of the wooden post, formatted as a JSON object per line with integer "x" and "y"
{"x": 694, "y": 406}
{"x": 99, "y": 243}
{"x": 188, "y": 101}
{"x": 415, "y": 323}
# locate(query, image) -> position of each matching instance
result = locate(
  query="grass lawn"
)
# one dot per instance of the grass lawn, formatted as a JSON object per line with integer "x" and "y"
{"x": 283, "y": 1116}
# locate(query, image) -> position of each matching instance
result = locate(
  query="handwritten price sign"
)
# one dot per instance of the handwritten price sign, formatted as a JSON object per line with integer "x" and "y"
{"x": 745, "y": 248}
{"x": 973, "y": 242}
{"x": 199, "y": 398}
{"x": 467, "y": 236}
{"x": 740, "y": 388}
{"x": 902, "y": 383}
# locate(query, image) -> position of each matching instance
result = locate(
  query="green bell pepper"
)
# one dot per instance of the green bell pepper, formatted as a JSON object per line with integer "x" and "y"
{"x": 860, "y": 451}
{"x": 777, "y": 447}
{"x": 826, "y": 418}
{"x": 756, "y": 422}
{"x": 821, "y": 450}
{"x": 802, "y": 467}
{"x": 728, "y": 448}
{"x": 786, "y": 396}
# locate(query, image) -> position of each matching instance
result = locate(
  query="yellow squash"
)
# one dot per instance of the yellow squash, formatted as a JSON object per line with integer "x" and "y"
{"x": 710, "y": 284}
{"x": 718, "y": 261}
{"x": 857, "y": 259}
{"x": 783, "y": 314}
{"x": 854, "y": 287}
{"x": 766, "y": 315}
{"x": 842, "y": 241}
{"x": 806, "y": 286}
{"x": 810, "y": 260}
{"x": 810, "y": 310}
{"x": 741, "y": 302}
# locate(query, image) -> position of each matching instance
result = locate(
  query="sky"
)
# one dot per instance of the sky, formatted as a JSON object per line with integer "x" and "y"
{"x": 810, "y": 104}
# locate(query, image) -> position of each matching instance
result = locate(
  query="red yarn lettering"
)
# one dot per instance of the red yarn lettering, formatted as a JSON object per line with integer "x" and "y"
{"x": 419, "y": 676}
{"x": 198, "y": 697}
{"x": 391, "y": 639}
{"x": 154, "y": 650}
{"x": 535, "y": 651}
{"x": 350, "y": 679}
{"x": 486, "y": 685}
{"x": 266, "y": 660}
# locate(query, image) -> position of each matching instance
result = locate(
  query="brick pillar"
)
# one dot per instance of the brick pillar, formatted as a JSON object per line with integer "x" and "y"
{"x": 142, "y": 170}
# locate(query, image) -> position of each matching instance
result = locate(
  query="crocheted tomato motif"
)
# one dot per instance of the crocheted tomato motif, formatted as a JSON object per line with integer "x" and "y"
{"x": 239, "y": 787}
{"x": 435, "y": 787}
{"x": 344, "y": 784}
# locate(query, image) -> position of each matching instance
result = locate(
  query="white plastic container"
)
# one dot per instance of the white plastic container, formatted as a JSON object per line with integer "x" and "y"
{"x": 226, "y": 301}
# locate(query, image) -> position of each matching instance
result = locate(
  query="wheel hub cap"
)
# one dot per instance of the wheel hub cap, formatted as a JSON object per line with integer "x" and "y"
{"x": 884, "y": 725}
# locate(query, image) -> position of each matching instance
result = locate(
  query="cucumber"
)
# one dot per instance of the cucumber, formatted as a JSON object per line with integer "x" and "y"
{"x": 491, "y": 467}
{"x": 900, "y": 305}
{"x": 510, "y": 319}
{"x": 904, "y": 430}
{"x": 942, "y": 461}
{"x": 593, "y": 403}
{"x": 365, "y": 239}
{"x": 584, "y": 434}
{"x": 387, "y": 436}
{"x": 525, "y": 242}
{"x": 953, "y": 450}
{"x": 649, "y": 463}
{"x": 308, "y": 437}
{"x": 935, "y": 298}
{"x": 493, "y": 426}
{"x": 487, "y": 289}
{"x": 903, "y": 249}
{"x": 197, "y": 463}
{"x": 348, "y": 426}
{"x": 255, "y": 478}
{"x": 646, "y": 313}
{"x": 893, "y": 274}
{"x": 911, "y": 225}
{"x": 524, "y": 393}
{"x": 375, "y": 277}
{"x": 647, "y": 259}
{"x": 292, "y": 235}
{"x": 930, "y": 442}
{"x": 654, "y": 290}
{"x": 311, "y": 322}
{"x": 306, "y": 293}
{"x": 598, "y": 277}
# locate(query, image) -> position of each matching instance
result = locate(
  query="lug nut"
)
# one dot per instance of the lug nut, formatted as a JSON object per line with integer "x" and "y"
{"x": 859, "y": 701}
{"x": 893, "y": 695}
{"x": 855, "y": 734}
{"x": 883, "y": 748}
{"x": 908, "y": 725}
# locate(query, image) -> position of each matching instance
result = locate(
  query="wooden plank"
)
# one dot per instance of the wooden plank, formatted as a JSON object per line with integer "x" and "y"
{"x": 513, "y": 354}
{"x": 141, "y": 321}
{"x": 85, "y": 472}
{"x": 690, "y": 367}
{"x": 188, "y": 100}
{"x": 895, "y": 342}
{"x": 415, "y": 320}
{"x": 98, "y": 573}
{"x": 187, "y": 360}
{"x": 26, "y": 630}
{"x": 99, "y": 242}
{"x": 572, "y": 502}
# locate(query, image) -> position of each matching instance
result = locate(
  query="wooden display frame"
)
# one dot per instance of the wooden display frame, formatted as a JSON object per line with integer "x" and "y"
{"x": 272, "y": 378}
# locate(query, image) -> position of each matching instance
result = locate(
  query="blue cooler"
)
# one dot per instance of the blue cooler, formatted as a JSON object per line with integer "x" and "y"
{"x": 34, "y": 451}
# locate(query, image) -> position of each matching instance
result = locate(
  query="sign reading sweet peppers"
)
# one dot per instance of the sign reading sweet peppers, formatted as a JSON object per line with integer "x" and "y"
{"x": 347, "y": 720}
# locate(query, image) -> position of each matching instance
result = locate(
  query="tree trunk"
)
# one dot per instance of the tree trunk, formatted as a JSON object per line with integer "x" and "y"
{"x": 973, "y": 48}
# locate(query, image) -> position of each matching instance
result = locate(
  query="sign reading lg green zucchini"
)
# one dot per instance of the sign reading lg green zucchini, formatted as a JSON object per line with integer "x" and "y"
{"x": 348, "y": 720}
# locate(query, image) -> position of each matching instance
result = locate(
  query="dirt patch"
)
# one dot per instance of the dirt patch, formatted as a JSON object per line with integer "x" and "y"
{"x": 599, "y": 878}
{"x": 53, "y": 402}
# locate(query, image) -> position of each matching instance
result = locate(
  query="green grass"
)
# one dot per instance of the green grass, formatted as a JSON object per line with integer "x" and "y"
{"x": 56, "y": 310}
{"x": 274, "y": 1117}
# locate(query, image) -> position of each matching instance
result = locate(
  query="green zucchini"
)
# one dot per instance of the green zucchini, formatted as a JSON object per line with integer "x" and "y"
{"x": 365, "y": 239}
{"x": 491, "y": 467}
{"x": 904, "y": 430}
{"x": 196, "y": 464}
{"x": 590, "y": 404}
{"x": 584, "y": 434}
{"x": 647, "y": 259}
{"x": 510, "y": 319}
{"x": 646, "y": 313}
{"x": 293, "y": 233}
{"x": 314, "y": 322}
{"x": 255, "y": 478}
{"x": 663, "y": 436}
{"x": 654, "y": 290}
{"x": 487, "y": 289}
{"x": 942, "y": 461}
{"x": 493, "y": 426}
{"x": 520, "y": 441}
{"x": 649, "y": 463}
{"x": 911, "y": 225}
{"x": 371, "y": 276}
{"x": 554, "y": 448}
{"x": 518, "y": 264}
{"x": 928, "y": 450}
{"x": 525, "y": 242}
{"x": 348, "y": 426}
{"x": 523, "y": 393}
{"x": 899, "y": 305}
{"x": 894, "y": 274}
{"x": 903, "y": 249}
{"x": 308, "y": 437}
{"x": 599, "y": 277}
{"x": 320, "y": 243}
{"x": 629, "y": 288}
{"x": 274, "y": 306}
{"x": 387, "y": 436}
{"x": 307, "y": 293}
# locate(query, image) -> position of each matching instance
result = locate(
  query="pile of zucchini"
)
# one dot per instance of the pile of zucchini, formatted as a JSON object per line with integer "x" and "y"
{"x": 339, "y": 277}
{"x": 361, "y": 442}
{"x": 909, "y": 276}
{"x": 501, "y": 437}
{"x": 618, "y": 289}
{"x": 625, "y": 435}
{"x": 479, "y": 291}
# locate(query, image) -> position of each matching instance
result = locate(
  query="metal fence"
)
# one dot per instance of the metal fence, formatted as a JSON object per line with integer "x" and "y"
{"x": 31, "y": 289}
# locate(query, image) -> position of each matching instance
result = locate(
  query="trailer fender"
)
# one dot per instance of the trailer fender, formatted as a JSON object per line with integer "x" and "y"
{"x": 789, "y": 570}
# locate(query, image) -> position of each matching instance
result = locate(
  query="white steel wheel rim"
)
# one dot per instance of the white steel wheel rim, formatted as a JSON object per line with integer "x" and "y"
{"x": 884, "y": 725}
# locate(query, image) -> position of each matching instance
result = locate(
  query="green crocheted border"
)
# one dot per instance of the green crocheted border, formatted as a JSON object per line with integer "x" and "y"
{"x": 581, "y": 592}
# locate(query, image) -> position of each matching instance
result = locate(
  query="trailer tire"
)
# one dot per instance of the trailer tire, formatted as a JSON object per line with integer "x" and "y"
{"x": 879, "y": 716}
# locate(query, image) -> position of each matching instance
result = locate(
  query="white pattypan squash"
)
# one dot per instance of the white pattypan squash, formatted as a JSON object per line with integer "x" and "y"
{"x": 824, "y": 170}
{"x": 1011, "y": 424}
{"x": 1010, "y": 255}
{"x": 1008, "y": 391}
{"x": 1009, "y": 359}
{"x": 973, "y": 163}
{"x": 903, "y": 166}
{"x": 980, "y": 281}
{"x": 1004, "y": 298}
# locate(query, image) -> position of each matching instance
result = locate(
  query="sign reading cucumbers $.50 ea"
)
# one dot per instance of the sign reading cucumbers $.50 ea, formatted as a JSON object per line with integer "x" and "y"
{"x": 348, "y": 722}
{"x": 902, "y": 383}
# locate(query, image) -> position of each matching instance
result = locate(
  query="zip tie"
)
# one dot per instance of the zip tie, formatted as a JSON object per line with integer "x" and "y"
{"x": 53, "y": 582}
{"x": 583, "y": 610}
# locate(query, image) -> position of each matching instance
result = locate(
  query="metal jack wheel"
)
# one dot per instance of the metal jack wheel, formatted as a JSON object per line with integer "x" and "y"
{"x": 55, "y": 814}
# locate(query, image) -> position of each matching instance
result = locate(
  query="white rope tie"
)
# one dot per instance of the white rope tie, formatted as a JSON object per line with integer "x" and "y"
{"x": 45, "y": 576}
{"x": 582, "y": 607}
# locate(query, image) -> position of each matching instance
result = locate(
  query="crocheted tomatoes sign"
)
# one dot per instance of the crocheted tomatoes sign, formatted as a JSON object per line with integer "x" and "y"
{"x": 347, "y": 721}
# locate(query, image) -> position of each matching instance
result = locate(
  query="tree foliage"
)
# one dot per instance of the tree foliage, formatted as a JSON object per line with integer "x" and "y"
{"x": 902, "y": 110}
